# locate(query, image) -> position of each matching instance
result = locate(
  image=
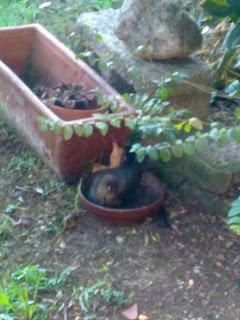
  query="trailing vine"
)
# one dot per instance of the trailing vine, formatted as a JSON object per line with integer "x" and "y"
{"x": 158, "y": 131}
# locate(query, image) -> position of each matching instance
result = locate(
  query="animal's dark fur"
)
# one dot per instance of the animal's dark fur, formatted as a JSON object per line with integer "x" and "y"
{"x": 114, "y": 187}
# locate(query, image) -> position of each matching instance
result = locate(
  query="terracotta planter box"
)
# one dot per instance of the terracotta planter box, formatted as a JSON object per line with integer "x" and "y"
{"x": 33, "y": 48}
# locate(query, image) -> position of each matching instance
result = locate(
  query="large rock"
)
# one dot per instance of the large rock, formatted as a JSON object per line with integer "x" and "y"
{"x": 157, "y": 29}
{"x": 208, "y": 180}
{"x": 143, "y": 75}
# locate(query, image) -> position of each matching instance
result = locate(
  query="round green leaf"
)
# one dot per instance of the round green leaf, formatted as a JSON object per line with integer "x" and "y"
{"x": 196, "y": 123}
{"x": 4, "y": 299}
{"x": 237, "y": 113}
{"x": 188, "y": 148}
{"x": 103, "y": 127}
{"x": 164, "y": 92}
{"x": 140, "y": 154}
{"x": 223, "y": 140}
{"x": 215, "y": 134}
{"x": 177, "y": 151}
{"x": 130, "y": 123}
{"x": 165, "y": 154}
{"x": 234, "y": 211}
{"x": 102, "y": 66}
{"x": 187, "y": 127}
{"x": 79, "y": 130}
{"x": 217, "y": 8}
{"x": 56, "y": 127}
{"x": 98, "y": 38}
{"x": 152, "y": 153}
{"x": 234, "y": 220}
{"x": 235, "y": 134}
{"x": 135, "y": 147}
{"x": 115, "y": 122}
{"x": 87, "y": 130}
{"x": 68, "y": 132}
{"x": 43, "y": 124}
{"x": 202, "y": 145}
{"x": 180, "y": 125}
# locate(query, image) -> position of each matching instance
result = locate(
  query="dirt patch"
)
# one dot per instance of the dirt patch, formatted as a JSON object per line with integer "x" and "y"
{"x": 187, "y": 272}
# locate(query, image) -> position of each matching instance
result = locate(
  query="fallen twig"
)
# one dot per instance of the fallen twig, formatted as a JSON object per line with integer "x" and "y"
{"x": 19, "y": 222}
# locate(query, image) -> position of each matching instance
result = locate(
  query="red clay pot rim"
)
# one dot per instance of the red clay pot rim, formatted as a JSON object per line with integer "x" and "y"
{"x": 40, "y": 106}
{"x": 120, "y": 211}
{"x": 76, "y": 111}
{"x": 95, "y": 110}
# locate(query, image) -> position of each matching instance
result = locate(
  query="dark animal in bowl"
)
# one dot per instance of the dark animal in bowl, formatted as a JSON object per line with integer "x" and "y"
{"x": 115, "y": 187}
{"x": 147, "y": 199}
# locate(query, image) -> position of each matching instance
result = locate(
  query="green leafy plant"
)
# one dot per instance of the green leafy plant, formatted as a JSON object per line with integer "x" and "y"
{"x": 101, "y": 122}
{"x": 5, "y": 227}
{"x": 228, "y": 9}
{"x": 105, "y": 4}
{"x": 158, "y": 131}
{"x": 17, "y": 12}
{"x": 20, "y": 292}
{"x": 234, "y": 216}
{"x": 23, "y": 162}
{"x": 98, "y": 298}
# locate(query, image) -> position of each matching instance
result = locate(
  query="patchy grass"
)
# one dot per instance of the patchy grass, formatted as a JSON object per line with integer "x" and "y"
{"x": 17, "y": 12}
{"x": 59, "y": 17}
{"x": 90, "y": 270}
{"x": 22, "y": 293}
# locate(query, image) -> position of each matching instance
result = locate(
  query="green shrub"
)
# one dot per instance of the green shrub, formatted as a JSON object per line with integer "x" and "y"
{"x": 20, "y": 292}
{"x": 230, "y": 9}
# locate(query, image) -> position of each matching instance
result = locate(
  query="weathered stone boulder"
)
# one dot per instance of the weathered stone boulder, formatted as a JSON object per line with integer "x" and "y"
{"x": 209, "y": 180}
{"x": 157, "y": 29}
{"x": 142, "y": 76}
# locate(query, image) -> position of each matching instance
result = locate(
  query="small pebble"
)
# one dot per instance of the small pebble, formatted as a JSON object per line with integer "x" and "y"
{"x": 58, "y": 103}
{"x": 80, "y": 104}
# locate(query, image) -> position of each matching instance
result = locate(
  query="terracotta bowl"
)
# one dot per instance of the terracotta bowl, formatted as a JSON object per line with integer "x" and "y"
{"x": 128, "y": 216}
{"x": 73, "y": 114}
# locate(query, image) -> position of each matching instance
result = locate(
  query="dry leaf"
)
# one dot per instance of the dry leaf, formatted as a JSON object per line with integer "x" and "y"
{"x": 190, "y": 283}
{"x": 183, "y": 212}
{"x": 18, "y": 223}
{"x": 154, "y": 238}
{"x": 71, "y": 222}
{"x": 119, "y": 239}
{"x": 116, "y": 157}
{"x": 62, "y": 244}
{"x": 97, "y": 167}
{"x": 143, "y": 317}
{"x": 131, "y": 313}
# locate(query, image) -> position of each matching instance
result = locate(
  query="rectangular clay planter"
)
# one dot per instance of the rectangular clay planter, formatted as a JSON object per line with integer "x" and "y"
{"x": 33, "y": 46}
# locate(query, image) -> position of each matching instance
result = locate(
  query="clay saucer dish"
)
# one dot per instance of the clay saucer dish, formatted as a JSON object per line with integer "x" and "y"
{"x": 127, "y": 216}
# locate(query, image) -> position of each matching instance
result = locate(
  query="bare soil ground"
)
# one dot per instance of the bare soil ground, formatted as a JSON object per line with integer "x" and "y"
{"x": 187, "y": 272}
